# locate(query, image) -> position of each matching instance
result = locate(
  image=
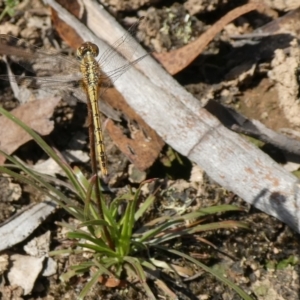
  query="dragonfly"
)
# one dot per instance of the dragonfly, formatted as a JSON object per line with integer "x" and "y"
{"x": 81, "y": 77}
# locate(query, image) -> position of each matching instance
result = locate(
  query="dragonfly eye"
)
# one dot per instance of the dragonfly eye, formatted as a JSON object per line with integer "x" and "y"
{"x": 87, "y": 48}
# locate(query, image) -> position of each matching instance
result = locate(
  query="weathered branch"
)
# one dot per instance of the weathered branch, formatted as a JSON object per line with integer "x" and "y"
{"x": 178, "y": 118}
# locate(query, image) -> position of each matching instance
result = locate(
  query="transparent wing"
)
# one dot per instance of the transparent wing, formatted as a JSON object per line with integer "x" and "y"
{"x": 43, "y": 82}
{"x": 47, "y": 62}
{"x": 54, "y": 71}
{"x": 69, "y": 90}
{"x": 124, "y": 46}
{"x": 113, "y": 58}
{"x": 61, "y": 72}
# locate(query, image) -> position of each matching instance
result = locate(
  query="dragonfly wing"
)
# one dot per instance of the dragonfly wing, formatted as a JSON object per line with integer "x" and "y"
{"x": 55, "y": 83}
{"x": 109, "y": 77}
{"x": 32, "y": 58}
{"x": 112, "y": 59}
{"x": 70, "y": 90}
{"x": 124, "y": 46}
{"x": 45, "y": 63}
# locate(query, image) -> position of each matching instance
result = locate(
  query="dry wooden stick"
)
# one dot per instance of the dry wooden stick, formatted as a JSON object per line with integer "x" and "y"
{"x": 179, "y": 119}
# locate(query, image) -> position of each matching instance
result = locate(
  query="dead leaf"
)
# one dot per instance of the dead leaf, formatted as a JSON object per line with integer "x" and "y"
{"x": 66, "y": 32}
{"x": 176, "y": 60}
{"x": 35, "y": 114}
{"x": 162, "y": 285}
{"x": 144, "y": 145}
{"x": 112, "y": 282}
{"x": 183, "y": 271}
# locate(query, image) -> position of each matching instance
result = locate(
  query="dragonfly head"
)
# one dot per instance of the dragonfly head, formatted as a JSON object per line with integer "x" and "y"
{"x": 86, "y": 48}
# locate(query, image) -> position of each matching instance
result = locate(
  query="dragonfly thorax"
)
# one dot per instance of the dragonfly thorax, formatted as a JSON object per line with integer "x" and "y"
{"x": 87, "y": 48}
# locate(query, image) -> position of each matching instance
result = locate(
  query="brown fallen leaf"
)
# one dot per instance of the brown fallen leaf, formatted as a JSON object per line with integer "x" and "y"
{"x": 163, "y": 286}
{"x": 66, "y": 32}
{"x": 112, "y": 282}
{"x": 35, "y": 114}
{"x": 144, "y": 145}
{"x": 176, "y": 60}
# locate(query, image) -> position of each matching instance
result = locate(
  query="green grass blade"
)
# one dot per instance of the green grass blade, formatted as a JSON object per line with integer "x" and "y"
{"x": 208, "y": 211}
{"x": 217, "y": 225}
{"x": 125, "y": 237}
{"x": 49, "y": 189}
{"x": 146, "y": 236}
{"x": 48, "y": 150}
{"x": 102, "y": 247}
{"x": 128, "y": 222}
{"x": 139, "y": 271}
{"x": 140, "y": 212}
{"x": 98, "y": 249}
{"x": 99, "y": 223}
{"x": 90, "y": 284}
